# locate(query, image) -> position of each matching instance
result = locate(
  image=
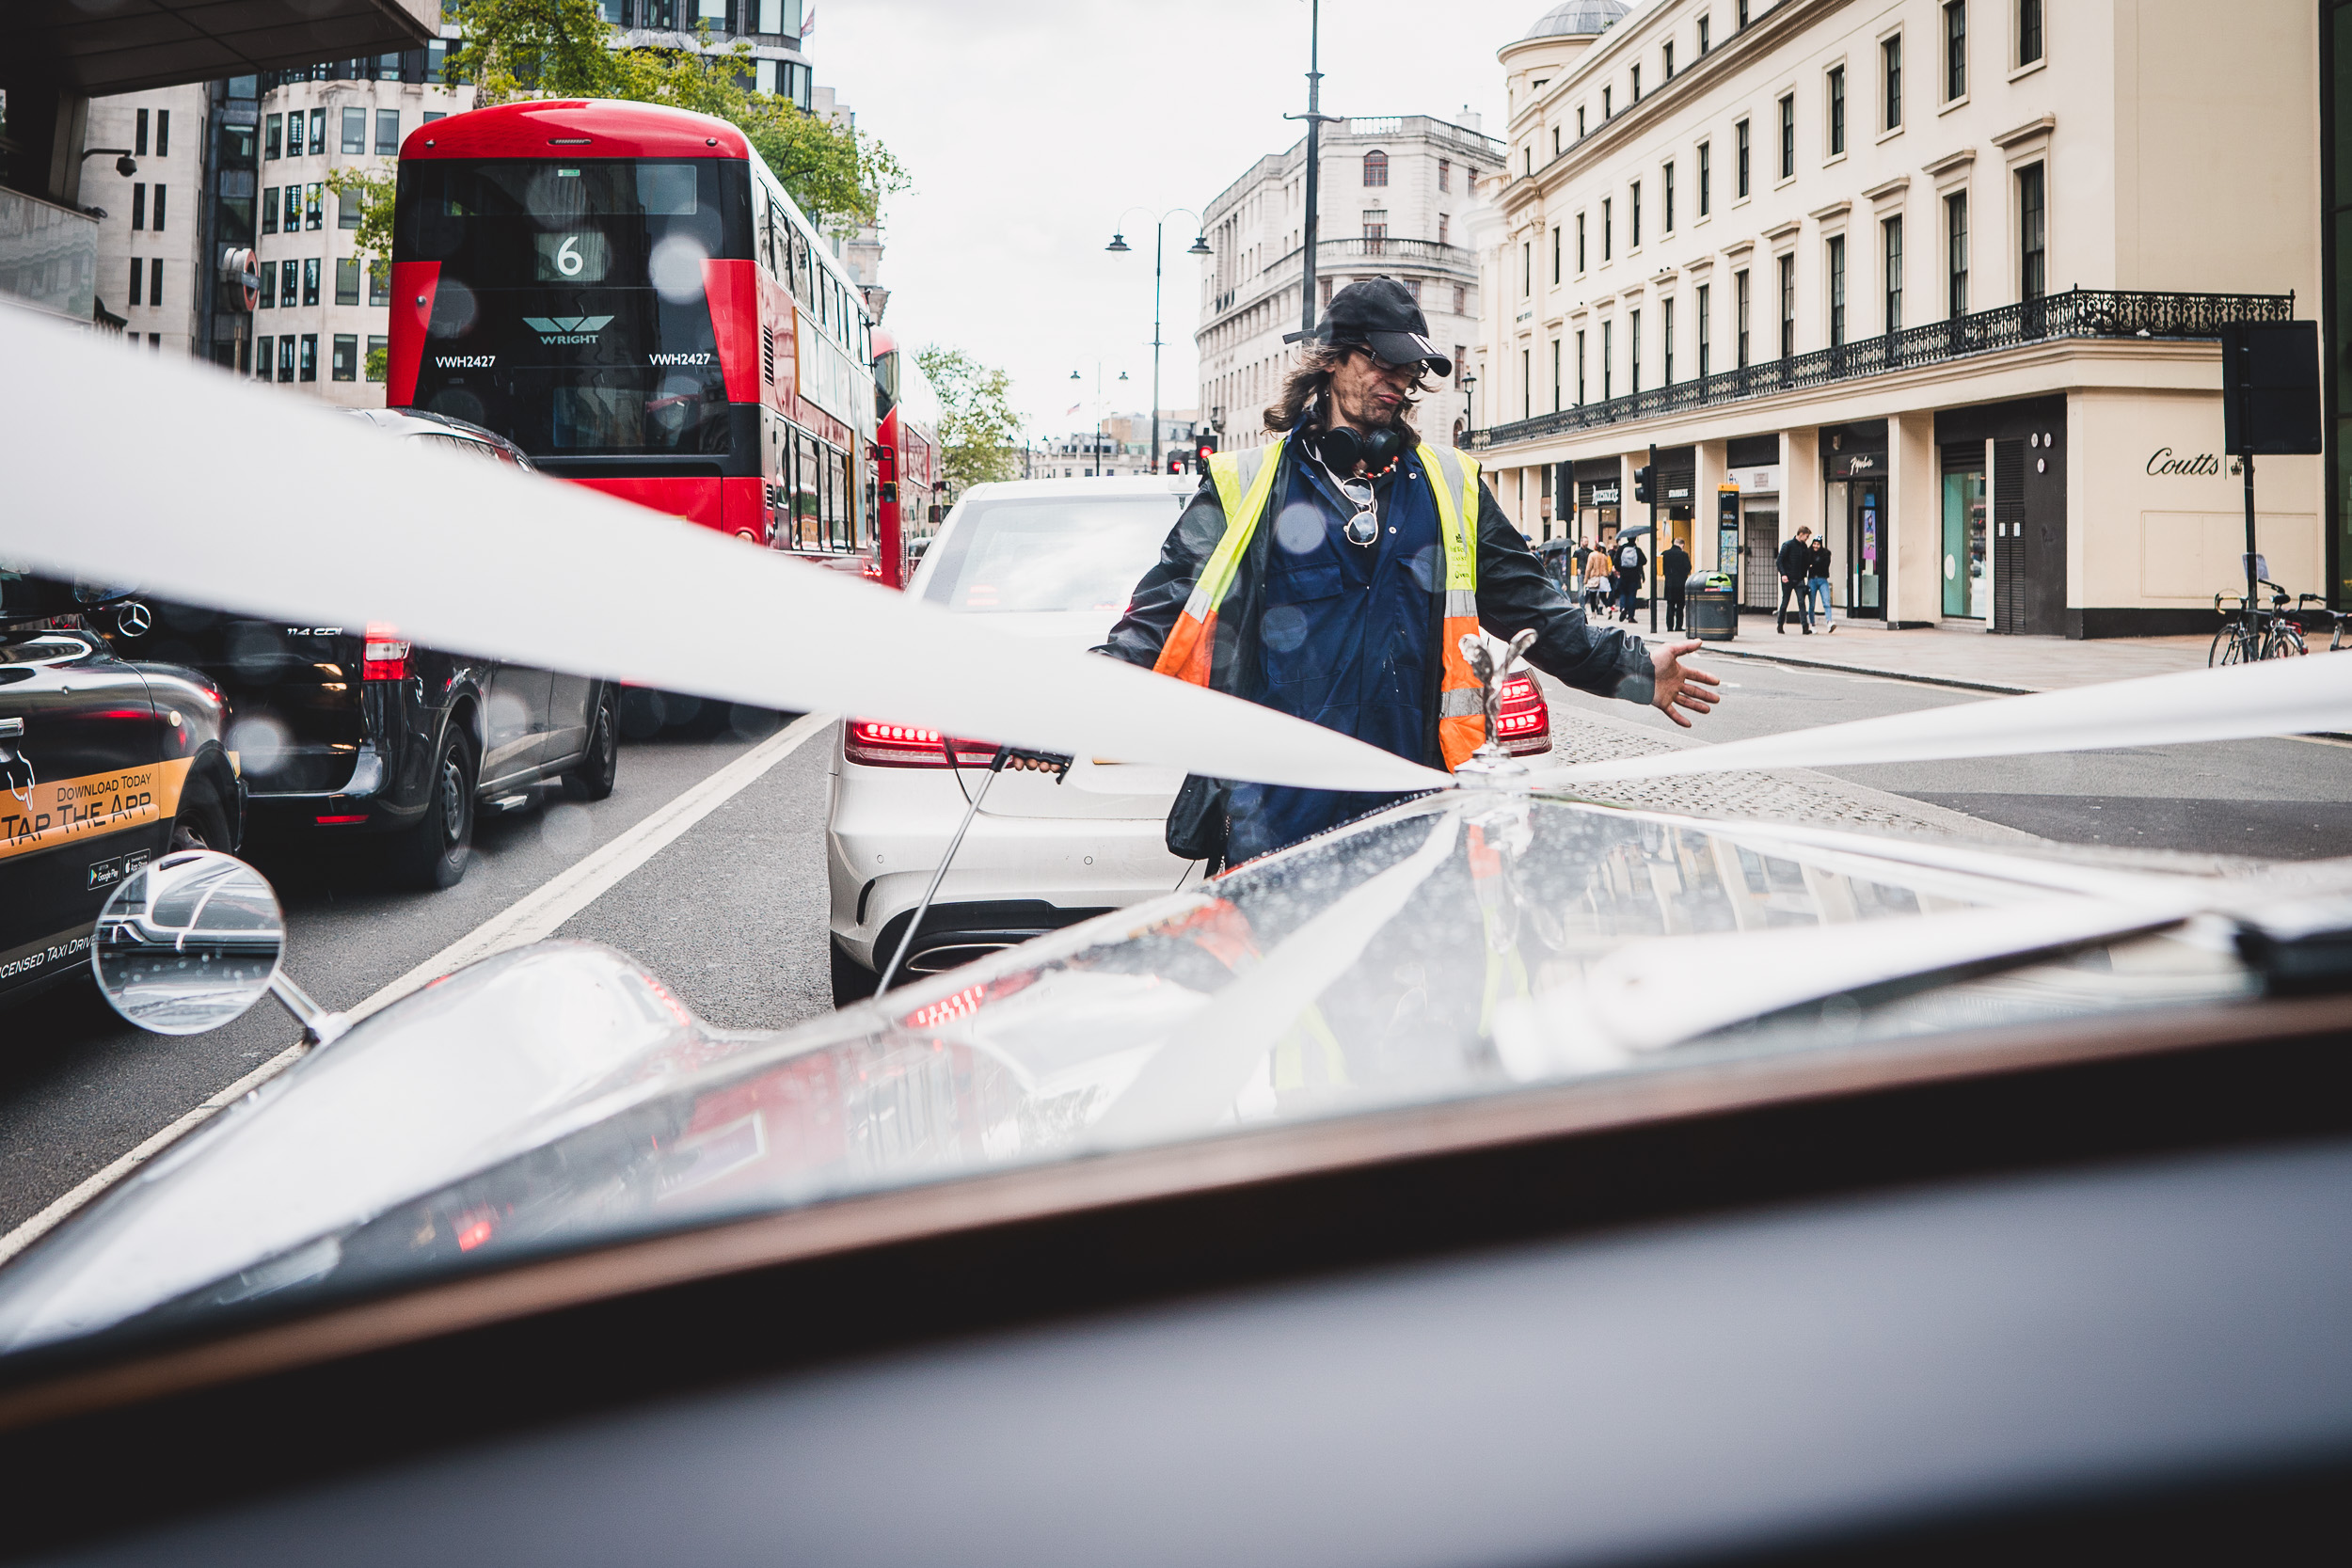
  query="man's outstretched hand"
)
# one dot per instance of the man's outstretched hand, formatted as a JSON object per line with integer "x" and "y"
{"x": 1681, "y": 687}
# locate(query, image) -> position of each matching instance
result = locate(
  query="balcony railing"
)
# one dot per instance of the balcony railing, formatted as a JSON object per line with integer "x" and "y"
{"x": 1423, "y": 254}
{"x": 2109, "y": 313}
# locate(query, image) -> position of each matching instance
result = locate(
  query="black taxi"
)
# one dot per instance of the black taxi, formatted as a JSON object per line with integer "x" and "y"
{"x": 358, "y": 732}
{"x": 105, "y": 762}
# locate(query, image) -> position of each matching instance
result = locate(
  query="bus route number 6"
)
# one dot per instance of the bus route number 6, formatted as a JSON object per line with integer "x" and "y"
{"x": 568, "y": 259}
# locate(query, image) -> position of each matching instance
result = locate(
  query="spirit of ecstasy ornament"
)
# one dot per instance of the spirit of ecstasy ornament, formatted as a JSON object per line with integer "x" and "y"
{"x": 1490, "y": 758}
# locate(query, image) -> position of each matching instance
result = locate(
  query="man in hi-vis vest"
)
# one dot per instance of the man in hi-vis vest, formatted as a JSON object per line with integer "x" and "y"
{"x": 1331, "y": 573}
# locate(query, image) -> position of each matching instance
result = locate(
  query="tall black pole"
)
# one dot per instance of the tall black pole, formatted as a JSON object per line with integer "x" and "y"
{"x": 1314, "y": 162}
{"x": 2248, "y": 460}
{"x": 1653, "y": 536}
{"x": 1157, "y": 226}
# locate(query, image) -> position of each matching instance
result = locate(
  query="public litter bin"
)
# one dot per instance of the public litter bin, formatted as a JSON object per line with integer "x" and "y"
{"x": 1710, "y": 608}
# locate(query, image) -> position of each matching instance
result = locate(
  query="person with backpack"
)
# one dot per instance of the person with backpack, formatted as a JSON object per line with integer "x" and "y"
{"x": 1631, "y": 563}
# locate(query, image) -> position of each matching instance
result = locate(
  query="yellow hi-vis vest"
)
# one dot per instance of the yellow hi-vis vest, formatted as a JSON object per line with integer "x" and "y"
{"x": 1245, "y": 479}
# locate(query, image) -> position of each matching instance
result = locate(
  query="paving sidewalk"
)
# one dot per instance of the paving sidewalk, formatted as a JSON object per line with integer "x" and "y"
{"x": 1974, "y": 659}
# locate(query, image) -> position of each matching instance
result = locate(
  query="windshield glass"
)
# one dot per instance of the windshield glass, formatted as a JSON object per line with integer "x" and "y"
{"x": 1048, "y": 552}
{"x": 1456, "y": 946}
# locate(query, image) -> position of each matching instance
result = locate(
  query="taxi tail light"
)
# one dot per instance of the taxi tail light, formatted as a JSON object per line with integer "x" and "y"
{"x": 880, "y": 745}
{"x": 1525, "y": 724}
{"x": 385, "y": 657}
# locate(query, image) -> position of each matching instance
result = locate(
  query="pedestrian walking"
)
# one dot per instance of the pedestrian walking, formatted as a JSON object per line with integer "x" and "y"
{"x": 1816, "y": 582}
{"x": 1674, "y": 571}
{"x": 1631, "y": 563}
{"x": 1600, "y": 581}
{"x": 1795, "y": 562}
{"x": 1333, "y": 572}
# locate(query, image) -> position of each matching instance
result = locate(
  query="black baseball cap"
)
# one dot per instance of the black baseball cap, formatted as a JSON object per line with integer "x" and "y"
{"x": 1378, "y": 313}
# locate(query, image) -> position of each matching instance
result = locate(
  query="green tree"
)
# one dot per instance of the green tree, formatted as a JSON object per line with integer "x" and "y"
{"x": 371, "y": 188}
{"x": 980, "y": 435}
{"x": 561, "y": 49}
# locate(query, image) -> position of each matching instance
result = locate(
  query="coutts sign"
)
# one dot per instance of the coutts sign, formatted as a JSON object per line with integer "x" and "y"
{"x": 2204, "y": 465}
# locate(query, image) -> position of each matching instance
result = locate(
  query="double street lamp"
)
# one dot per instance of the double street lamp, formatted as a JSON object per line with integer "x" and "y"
{"x": 1200, "y": 246}
{"x": 1100, "y": 470}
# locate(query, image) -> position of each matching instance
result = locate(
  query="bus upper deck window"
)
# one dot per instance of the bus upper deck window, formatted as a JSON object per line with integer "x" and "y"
{"x": 666, "y": 190}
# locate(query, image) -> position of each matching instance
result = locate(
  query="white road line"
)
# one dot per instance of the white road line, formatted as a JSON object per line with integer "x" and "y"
{"x": 531, "y": 918}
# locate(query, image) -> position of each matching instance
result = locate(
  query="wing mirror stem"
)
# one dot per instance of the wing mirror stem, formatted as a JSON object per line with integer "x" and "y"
{"x": 190, "y": 941}
{"x": 319, "y": 1026}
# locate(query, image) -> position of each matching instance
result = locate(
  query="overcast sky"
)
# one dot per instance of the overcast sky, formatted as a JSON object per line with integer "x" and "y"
{"x": 1028, "y": 125}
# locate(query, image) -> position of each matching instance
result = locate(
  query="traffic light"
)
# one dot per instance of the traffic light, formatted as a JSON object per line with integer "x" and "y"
{"x": 1643, "y": 494}
{"x": 1202, "y": 450}
{"x": 1175, "y": 461}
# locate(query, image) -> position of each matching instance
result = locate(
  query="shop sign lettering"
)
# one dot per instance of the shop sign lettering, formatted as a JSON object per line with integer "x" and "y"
{"x": 2203, "y": 465}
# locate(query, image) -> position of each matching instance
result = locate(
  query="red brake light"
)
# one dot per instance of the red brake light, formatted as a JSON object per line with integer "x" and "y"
{"x": 385, "y": 657}
{"x": 1525, "y": 726}
{"x": 880, "y": 745}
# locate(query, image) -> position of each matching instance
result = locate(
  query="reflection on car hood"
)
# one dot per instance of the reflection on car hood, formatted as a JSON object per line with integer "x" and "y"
{"x": 1459, "y": 944}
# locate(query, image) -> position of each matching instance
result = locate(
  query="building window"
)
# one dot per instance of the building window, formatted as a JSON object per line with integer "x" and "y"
{"x": 1739, "y": 160}
{"x": 380, "y": 353}
{"x": 309, "y": 356}
{"x": 273, "y": 137}
{"x": 1376, "y": 167}
{"x": 294, "y": 133}
{"x": 1579, "y": 244}
{"x": 1838, "y": 111}
{"x": 1580, "y": 122}
{"x": 1955, "y": 50}
{"x": 1891, "y": 83}
{"x": 1633, "y": 215}
{"x": 1742, "y": 16}
{"x": 346, "y": 364}
{"x": 262, "y": 355}
{"x": 1461, "y": 306}
{"x": 1606, "y": 110}
{"x": 388, "y": 133}
{"x": 1555, "y": 376}
{"x": 138, "y": 280}
{"x": 1956, "y": 228}
{"x": 1527, "y": 385}
{"x": 159, "y": 194}
{"x": 1666, "y": 199}
{"x": 1580, "y": 369}
{"x": 1739, "y": 318}
{"x": 347, "y": 282}
{"x": 1607, "y": 227}
{"x": 347, "y": 209}
{"x": 318, "y": 132}
{"x": 1555, "y": 253}
{"x": 2028, "y": 31}
{"x": 1665, "y": 342}
{"x": 269, "y": 210}
{"x": 1705, "y": 334}
{"x": 1607, "y": 355}
{"x": 1376, "y": 226}
{"x": 1836, "y": 259}
{"x": 1527, "y": 161}
{"x": 138, "y": 137}
{"x": 1891, "y": 241}
{"x": 286, "y": 357}
{"x": 139, "y": 205}
{"x": 1788, "y": 137}
{"x": 355, "y": 131}
{"x": 2032, "y": 224}
{"x": 1707, "y": 177}
{"x": 1445, "y": 174}
{"x": 155, "y": 280}
{"x": 1703, "y": 42}
{"x": 1637, "y": 84}
{"x": 1527, "y": 269}
{"x": 1633, "y": 352}
{"x": 288, "y": 283}
{"x": 1788, "y": 305}
{"x": 294, "y": 208}
{"x": 265, "y": 274}
{"x": 310, "y": 271}
{"x": 1668, "y": 54}
{"x": 1444, "y": 223}
{"x": 379, "y": 282}
{"x": 313, "y": 215}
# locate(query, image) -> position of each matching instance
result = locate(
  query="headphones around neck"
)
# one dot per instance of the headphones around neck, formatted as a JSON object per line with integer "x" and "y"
{"x": 1341, "y": 449}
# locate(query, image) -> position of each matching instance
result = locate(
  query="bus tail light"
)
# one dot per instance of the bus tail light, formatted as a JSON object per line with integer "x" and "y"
{"x": 880, "y": 745}
{"x": 385, "y": 657}
{"x": 1525, "y": 726}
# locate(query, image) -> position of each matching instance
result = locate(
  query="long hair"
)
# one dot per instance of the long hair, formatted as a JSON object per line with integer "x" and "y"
{"x": 1303, "y": 388}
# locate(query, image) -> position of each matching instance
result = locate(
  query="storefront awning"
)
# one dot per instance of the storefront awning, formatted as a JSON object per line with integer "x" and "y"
{"x": 126, "y": 45}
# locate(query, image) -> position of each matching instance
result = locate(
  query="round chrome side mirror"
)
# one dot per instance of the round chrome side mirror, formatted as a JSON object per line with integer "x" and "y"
{"x": 189, "y": 942}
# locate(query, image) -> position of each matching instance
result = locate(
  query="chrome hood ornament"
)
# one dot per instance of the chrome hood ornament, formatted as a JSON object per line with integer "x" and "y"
{"x": 1490, "y": 763}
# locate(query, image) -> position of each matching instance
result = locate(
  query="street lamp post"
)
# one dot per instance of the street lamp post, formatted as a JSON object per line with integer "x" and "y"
{"x": 1100, "y": 471}
{"x": 1314, "y": 116}
{"x": 1200, "y": 246}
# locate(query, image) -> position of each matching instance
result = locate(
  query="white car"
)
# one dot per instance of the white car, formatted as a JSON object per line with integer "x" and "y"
{"x": 1051, "y": 559}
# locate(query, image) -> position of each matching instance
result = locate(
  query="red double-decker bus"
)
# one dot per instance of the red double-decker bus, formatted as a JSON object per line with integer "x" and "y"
{"x": 627, "y": 293}
{"x": 906, "y": 458}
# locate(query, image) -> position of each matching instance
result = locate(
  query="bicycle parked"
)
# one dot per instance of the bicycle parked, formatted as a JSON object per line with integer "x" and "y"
{"x": 2315, "y": 605}
{"x": 2249, "y": 632}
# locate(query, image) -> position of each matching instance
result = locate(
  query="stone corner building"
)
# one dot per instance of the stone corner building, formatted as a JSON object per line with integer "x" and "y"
{"x": 1941, "y": 278}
